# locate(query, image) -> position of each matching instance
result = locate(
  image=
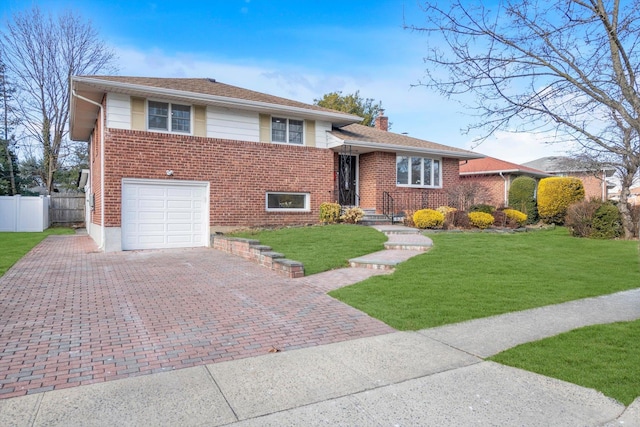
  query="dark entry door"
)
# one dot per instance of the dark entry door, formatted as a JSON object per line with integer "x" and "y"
{"x": 347, "y": 180}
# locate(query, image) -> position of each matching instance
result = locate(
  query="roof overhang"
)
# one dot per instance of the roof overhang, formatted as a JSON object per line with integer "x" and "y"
{"x": 367, "y": 147}
{"x": 509, "y": 171}
{"x": 95, "y": 89}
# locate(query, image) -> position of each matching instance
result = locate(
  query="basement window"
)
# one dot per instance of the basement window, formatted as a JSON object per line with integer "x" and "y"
{"x": 294, "y": 202}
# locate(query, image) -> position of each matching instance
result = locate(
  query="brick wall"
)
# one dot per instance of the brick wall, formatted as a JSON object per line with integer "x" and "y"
{"x": 494, "y": 185}
{"x": 378, "y": 173}
{"x": 592, "y": 185}
{"x": 240, "y": 173}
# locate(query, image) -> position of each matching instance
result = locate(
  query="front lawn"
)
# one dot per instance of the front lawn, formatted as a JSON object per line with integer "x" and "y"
{"x": 603, "y": 357}
{"x": 14, "y": 246}
{"x": 320, "y": 248}
{"x": 473, "y": 275}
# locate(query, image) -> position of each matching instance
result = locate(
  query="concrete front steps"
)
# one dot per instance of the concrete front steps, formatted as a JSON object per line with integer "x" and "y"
{"x": 372, "y": 218}
{"x": 403, "y": 243}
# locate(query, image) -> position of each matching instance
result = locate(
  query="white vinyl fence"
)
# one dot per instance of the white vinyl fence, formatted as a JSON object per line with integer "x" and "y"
{"x": 21, "y": 213}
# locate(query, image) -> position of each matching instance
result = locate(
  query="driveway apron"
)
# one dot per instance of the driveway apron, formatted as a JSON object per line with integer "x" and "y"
{"x": 71, "y": 315}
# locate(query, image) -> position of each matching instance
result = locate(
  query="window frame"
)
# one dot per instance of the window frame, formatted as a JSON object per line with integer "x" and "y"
{"x": 307, "y": 201}
{"x": 169, "y": 117}
{"x": 434, "y": 177}
{"x": 287, "y": 130}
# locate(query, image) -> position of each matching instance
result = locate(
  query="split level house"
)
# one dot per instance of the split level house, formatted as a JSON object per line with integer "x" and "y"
{"x": 174, "y": 159}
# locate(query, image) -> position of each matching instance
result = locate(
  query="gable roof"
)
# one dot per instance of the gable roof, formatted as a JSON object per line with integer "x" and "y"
{"x": 493, "y": 166}
{"x": 188, "y": 90}
{"x": 367, "y": 138}
{"x": 563, "y": 164}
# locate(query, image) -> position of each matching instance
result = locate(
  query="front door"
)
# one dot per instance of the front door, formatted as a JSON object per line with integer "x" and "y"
{"x": 348, "y": 180}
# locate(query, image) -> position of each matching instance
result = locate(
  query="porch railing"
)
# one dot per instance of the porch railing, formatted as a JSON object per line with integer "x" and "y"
{"x": 388, "y": 206}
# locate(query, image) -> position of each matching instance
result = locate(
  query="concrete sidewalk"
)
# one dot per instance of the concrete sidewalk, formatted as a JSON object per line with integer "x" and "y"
{"x": 430, "y": 377}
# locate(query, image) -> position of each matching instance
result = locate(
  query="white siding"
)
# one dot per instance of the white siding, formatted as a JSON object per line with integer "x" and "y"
{"x": 236, "y": 125}
{"x": 118, "y": 111}
{"x": 321, "y": 133}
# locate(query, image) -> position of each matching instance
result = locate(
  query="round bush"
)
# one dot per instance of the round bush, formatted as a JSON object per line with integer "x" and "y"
{"x": 606, "y": 222}
{"x": 428, "y": 218}
{"x": 329, "y": 213}
{"x": 481, "y": 220}
{"x": 516, "y": 216}
{"x": 555, "y": 195}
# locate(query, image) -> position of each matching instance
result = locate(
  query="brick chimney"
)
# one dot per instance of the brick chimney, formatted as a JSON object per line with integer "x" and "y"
{"x": 382, "y": 121}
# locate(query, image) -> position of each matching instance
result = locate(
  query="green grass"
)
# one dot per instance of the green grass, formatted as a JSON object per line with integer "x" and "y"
{"x": 473, "y": 275}
{"x": 14, "y": 246}
{"x": 320, "y": 248}
{"x": 603, "y": 357}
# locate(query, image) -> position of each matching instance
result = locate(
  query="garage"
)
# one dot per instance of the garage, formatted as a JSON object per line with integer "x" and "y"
{"x": 159, "y": 214}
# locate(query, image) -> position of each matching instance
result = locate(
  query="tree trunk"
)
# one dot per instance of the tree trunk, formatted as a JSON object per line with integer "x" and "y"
{"x": 623, "y": 205}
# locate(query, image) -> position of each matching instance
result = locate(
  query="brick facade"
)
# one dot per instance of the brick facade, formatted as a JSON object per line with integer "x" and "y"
{"x": 378, "y": 175}
{"x": 493, "y": 186}
{"x": 592, "y": 186}
{"x": 240, "y": 173}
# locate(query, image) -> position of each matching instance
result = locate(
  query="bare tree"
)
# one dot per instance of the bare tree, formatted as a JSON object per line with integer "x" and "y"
{"x": 41, "y": 53}
{"x": 566, "y": 68}
{"x": 8, "y": 121}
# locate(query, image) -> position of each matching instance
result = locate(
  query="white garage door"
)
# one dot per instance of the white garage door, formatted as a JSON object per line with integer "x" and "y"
{"x": 161, "y": 214}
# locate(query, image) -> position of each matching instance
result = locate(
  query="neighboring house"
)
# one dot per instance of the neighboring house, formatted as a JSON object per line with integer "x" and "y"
{"x": 594, "y": 178}
{"x": 172, "y": 160}
{"x": 496, "y": 176}
{"x": 634, "y": 196}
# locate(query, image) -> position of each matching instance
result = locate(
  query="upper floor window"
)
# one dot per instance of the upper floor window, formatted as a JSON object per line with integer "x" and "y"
{"x": 418, "y": 171}
{"x": 168, "y": 117}
{"x": 287, "y": 131}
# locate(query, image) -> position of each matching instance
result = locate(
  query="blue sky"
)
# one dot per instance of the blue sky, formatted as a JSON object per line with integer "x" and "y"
{"x": 295, "y": 49}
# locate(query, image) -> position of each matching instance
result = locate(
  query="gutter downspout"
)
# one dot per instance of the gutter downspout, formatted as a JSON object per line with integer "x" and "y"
{"x": 506, "y": 194}
{"x": 102, "y": 230}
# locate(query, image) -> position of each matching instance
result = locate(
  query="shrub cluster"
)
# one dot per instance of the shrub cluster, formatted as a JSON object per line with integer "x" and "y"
{"x": 522, "y": 196}
{"x": 428, "y": 218}
{"x": 594, "y": 219}
{"x": 352, "y": 215}
{"x": 555, "y": 195}
{"x": 329, "y": 213}
{"x": 481, "y": 220}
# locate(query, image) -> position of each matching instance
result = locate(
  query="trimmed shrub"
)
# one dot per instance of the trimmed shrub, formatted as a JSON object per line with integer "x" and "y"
{"x": 428, "y": 218}
{"x": 606, "y": 223}
{"x": 352, "y": 215}
{"x": 482, "y": 208}
{"x": 517, "y": 217}
{"x": 329, "y": 213}
{"x": 481, "y": 220}
{"x": 555, "y": 195}
{"x": 522, "y": 196}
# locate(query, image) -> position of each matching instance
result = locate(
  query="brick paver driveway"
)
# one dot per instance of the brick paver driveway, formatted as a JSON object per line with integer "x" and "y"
{"x": 71, "y": 315}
